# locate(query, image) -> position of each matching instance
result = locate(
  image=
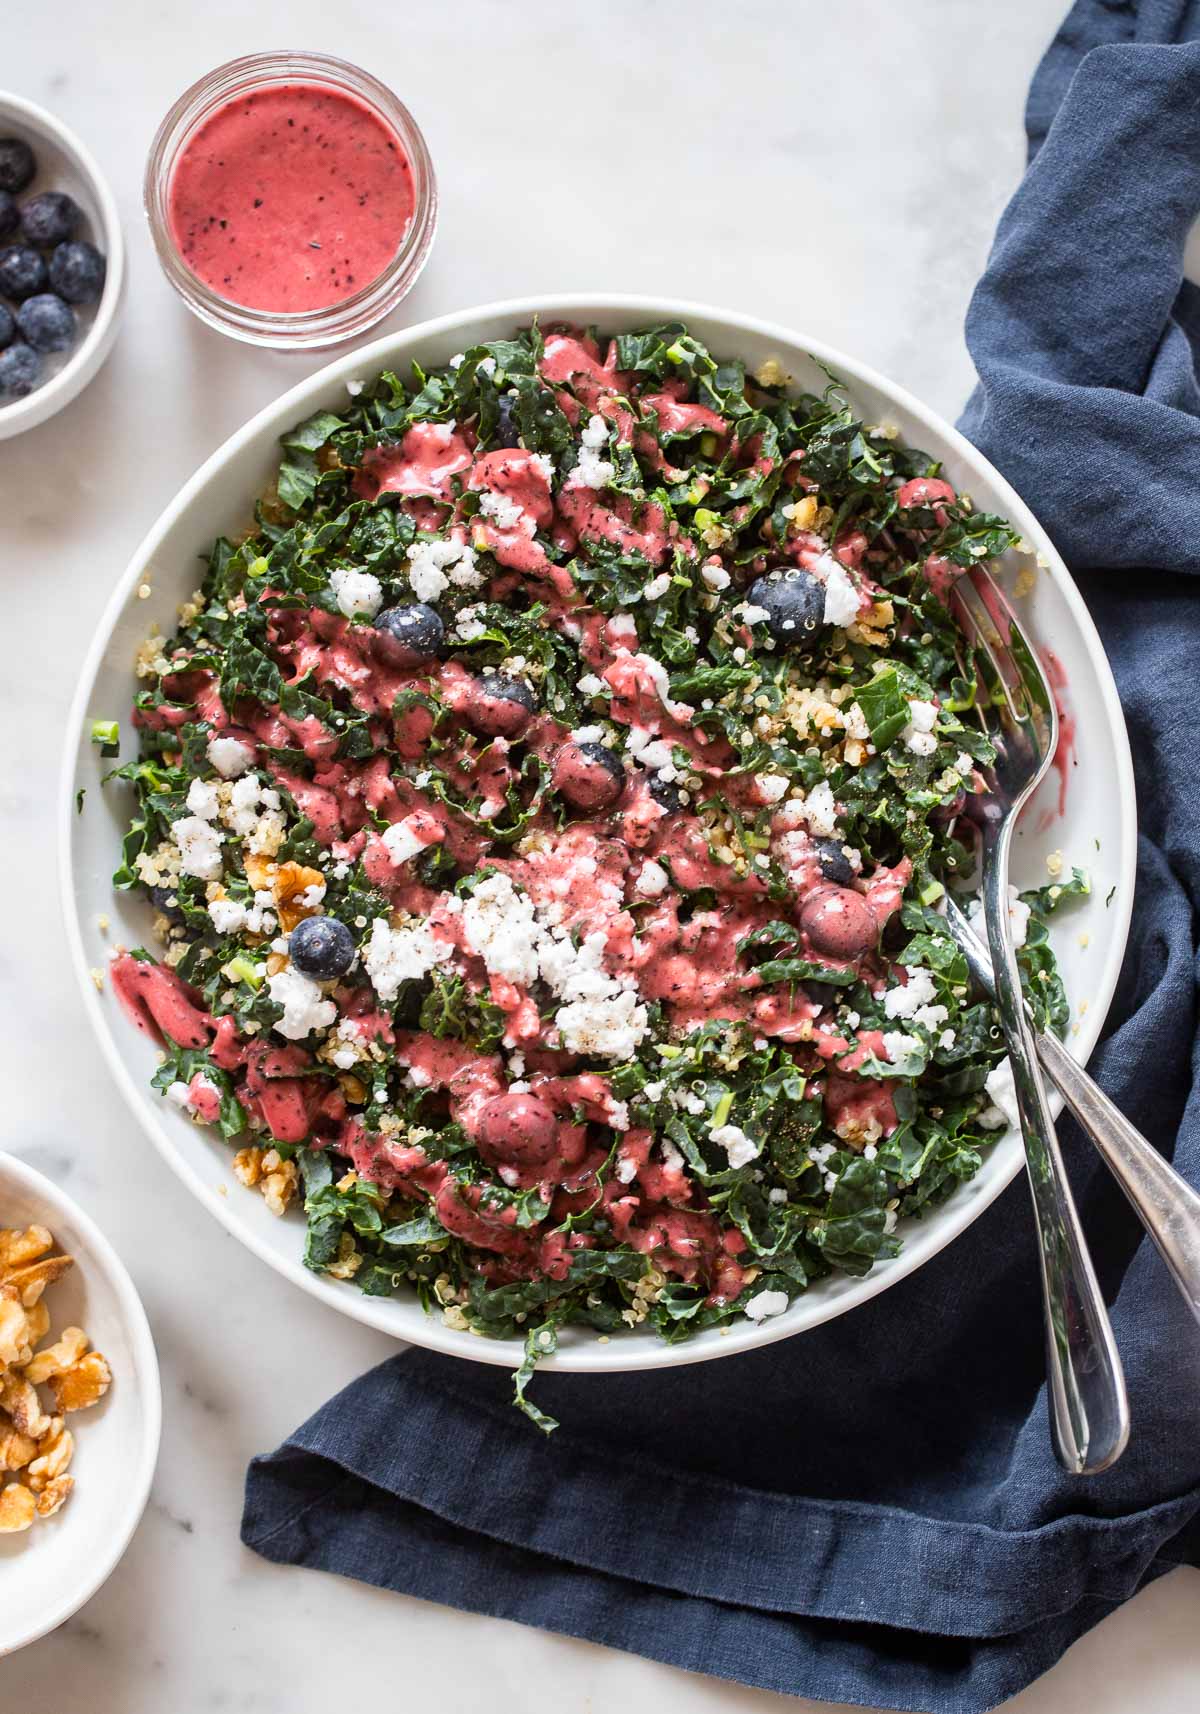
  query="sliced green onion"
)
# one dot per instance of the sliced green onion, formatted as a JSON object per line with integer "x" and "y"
{"x": 107, "y": 733}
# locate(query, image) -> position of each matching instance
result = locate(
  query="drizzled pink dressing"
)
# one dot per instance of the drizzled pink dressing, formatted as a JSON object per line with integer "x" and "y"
{"x": 290, "y": 198}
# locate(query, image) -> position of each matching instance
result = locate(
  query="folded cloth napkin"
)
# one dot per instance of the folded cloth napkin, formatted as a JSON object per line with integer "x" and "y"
{"x": 871, "y": 1513}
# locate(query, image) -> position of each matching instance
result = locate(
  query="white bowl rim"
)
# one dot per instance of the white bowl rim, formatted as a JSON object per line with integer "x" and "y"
{"x": 619, "y": 1355}
{"x": 136, "y": 1482}
{"x": 46, "y": 401}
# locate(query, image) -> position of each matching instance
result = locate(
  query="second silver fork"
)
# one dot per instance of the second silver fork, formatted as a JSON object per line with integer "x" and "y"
{"x": 1088, "y": 1406}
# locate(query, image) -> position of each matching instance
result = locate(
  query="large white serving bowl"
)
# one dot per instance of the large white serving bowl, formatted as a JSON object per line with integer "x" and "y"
{"x": 1096, "y": 829}
{"x": 51, "y": 1569}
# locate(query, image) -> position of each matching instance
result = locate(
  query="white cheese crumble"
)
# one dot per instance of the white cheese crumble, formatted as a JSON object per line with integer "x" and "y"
{"x": 897, "y": 1045}
{"x": 229, "y": 756}
{"x": 715, "y": 576}
{"x": 435, "y": 564}
{"x": 915, "y": 999}
{"x": 199, "y": 845}
{"x": 657, "y": 587}
{"x": 766, "y": 1303}
{"x": 652, "y": 879}
{"x": 1002, "y": 1096}
{"x": 506, "y": 514}
{"x": 739, "y": 1148}
{"x": 1018, "y": 917}
{"x": 202, "y": 799}
{"x": 820, "y": 811}
{"x": 592, "y": 471}
{"x": 589, "y": 685}
{"x": 841, "y": 597}
{"x": 396, "y": 955}
{"x": 305, "y": 1008}
{"x": 356, "y": 591}
{"x": 771, "y": 787}
{"x": 919, "y": 735}
{"x": 400, "y": 842}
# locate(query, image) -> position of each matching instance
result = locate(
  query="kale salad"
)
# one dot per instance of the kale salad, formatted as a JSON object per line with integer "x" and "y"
{"x": 546, "y": 804}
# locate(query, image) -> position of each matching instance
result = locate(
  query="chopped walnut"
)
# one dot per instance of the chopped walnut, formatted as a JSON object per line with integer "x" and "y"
{"x": 32, "y": 1442}
{"x": 291, "y": 881}
{"x": 277, "y": 1179}
{"x": 17, "y": 1509}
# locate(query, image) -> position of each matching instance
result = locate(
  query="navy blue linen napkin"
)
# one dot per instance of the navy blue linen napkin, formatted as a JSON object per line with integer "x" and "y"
{"x": 871, "y": 1513}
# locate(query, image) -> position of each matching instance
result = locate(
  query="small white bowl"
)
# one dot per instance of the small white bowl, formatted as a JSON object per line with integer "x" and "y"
{"x": 64, "y": 164}
{"x": 50, "y": 1570}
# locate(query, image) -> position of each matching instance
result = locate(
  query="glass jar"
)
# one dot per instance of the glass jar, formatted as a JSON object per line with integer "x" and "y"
{"x": 301, "y": 329}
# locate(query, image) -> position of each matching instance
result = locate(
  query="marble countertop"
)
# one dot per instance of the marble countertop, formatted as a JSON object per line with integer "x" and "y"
{"x": 834, "y": 168}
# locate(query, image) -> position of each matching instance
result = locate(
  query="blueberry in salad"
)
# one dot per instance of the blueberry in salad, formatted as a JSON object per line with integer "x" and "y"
{"x": 77, "y": 272}
{"x": 22, "y": 272}
{"x": 50, "y": 218}
{"x": 620, "y": 999}
{"x": 10, "y": 217}
{"x": 46, "y": 322}
{"x": 17, "y": 164}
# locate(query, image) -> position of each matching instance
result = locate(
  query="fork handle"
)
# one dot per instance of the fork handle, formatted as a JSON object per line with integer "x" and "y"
{"x": 1165, "y": 1203}
{"x": 1089, "y": 1410}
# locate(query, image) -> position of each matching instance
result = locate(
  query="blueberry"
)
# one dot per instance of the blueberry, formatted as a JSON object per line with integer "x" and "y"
{"x": 77, "y": 272}
{"x": 413, "y": 633}
{"x": 22, "y": 272}
{"x": 835, "y": 865}
{"x": 8, "y": 327}
{"x": 166, "y": 900}
{"x": 47, "y": 323}
{"x": 9, "y": 218}
{"x": 17, "y": 165}
{"x": 507, "y": 433}
{"x": 50, "y": 218}
{"x": 321, "y": 947}
{"x": 20, "y": 371}
{"x": 590, "y": 776}
{"x": 666, "y": 794}
{"x": 794, "y": 605}
{"x": 508, "y": 690}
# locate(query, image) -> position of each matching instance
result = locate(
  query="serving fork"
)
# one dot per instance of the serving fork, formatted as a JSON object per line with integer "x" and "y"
{"x": 1089, "y": 1411}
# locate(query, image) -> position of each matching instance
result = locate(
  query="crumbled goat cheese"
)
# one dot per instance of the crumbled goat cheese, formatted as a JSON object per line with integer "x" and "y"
{"x": 740, "y": 1148}
{"x": 499, "y": 925}
{"x": 715, "y": 576}
{"x": 486, "y": 366}
{"x": 766, "y": 1303}
{"x": 592, "y": 471}
{"x": 199, "y": 845}
{"x": 771, "y": 787}
{"x": 778, "y": 1195}
{"x": 356, "y": 591}
{"x": 349, "y": 1050}
{"x": 396, "y": 955}
{"x": 589, "y": 685}
{"x": 229, "y": 756}
{"x": 652, "y": 879}
{"x": 659, "y": 677}
{"x": 1018, "y": 917}
{"x": 919, "y": 735}
{"x": 855, "y": 722}
{"x": 1002, "y": 1096}
{"x": 202, "y": 799}
{"x": 657, "y": 587}
{"x": 400, "y": 842}
{"x": 898, "y": 1046}
{"x": 626, "y": 1169}
{"x": 305, "y": 1008}
{"x": 750, "y": 614}
{"x": 820, "y": 811}
{"x": 841, "y": 597}
{"x": 506, "y": 514}
{"x": 434, "y": 564}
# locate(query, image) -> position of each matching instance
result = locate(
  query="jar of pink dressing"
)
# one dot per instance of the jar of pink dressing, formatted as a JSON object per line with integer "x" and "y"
{"x": 291, "y": 199}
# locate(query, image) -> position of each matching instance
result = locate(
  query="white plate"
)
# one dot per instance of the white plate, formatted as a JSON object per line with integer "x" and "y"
{"x": 50, "y": 1570}
{"x": 1097, "y": 830}
{"x": 65, "y": 164}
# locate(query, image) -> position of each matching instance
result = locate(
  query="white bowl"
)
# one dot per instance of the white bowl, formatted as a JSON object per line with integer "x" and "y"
{"x": 64, "y": 164}
{"x": 50, "y": 1570}
{"x": 1097, "y": 830}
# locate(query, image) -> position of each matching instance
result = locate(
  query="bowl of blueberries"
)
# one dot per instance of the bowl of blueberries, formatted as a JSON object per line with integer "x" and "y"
{"x": 62, "y": 266}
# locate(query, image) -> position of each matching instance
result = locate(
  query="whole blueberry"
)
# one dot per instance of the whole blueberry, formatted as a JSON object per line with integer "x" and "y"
{"x": 321, "y": 947}
{"x": 508, "y": 690}
{"x": 794, "y": 604}
{"x": 666, "y": 794}
{"x": 50, "y": 218}
{"x": 10, "y": 219}
{"x": 411, "y": 634}
{"x": 834, "y": 863}
{"x": 47, "y": 323}
{"x": 22, "y": 272}
{"x": 17, "y": 165}
{"x": 507, "y": 433}
{"x": 8, "y": 327}
{"x": 77, "y": 272}
{"x": 589, "y": 776}
{"x": 166, "y": 900}
{"x": 20, "y": 371}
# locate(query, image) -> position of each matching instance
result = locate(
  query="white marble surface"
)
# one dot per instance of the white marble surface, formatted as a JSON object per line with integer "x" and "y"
{"x": 835, "y": 167}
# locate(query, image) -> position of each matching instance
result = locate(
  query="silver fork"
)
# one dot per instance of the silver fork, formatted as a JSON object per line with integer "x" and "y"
{"x": 1163, "y": 1201}
{"x": 1089, "y": 1410}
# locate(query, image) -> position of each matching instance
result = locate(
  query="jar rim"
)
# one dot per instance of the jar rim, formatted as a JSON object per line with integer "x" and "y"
{"x": 290, "y": 329}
